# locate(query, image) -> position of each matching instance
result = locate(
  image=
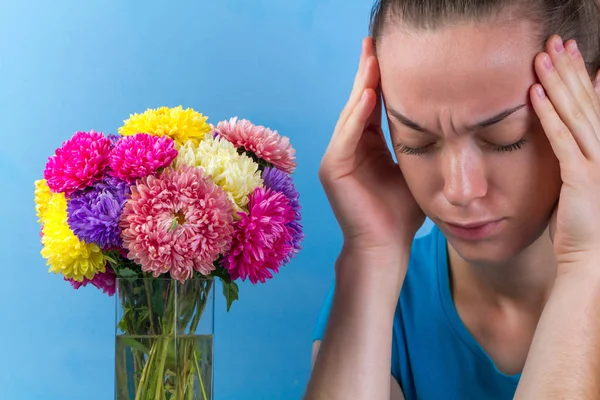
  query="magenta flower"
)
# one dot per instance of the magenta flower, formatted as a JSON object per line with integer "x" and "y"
{"x": 105, "y": 281}
{"x": 78, "y": 163}
{"x": 264, "y": 143}
{"x": 141, "y": 155}
{"x": 262, "y": 239}
{"x": 178, "y": 222}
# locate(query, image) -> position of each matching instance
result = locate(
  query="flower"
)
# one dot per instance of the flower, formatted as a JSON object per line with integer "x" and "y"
{"x": 236, "y": 173}
{"x": 113, "y": 139}
{"x": 80, "y": 162}
{"x": 261, "y": 240}
{"x": 178, "y": 222}
{"x": 42, "y": 198}
{"x": 282, "y": 182}
{"x": 179, "y": 124}
{"x": 262, "y": 142}
{"x": 105, "y": 281}
{"x": 65, "y": 253}
{"x": 94, "y": 213}
{"x": 141, "y": 155}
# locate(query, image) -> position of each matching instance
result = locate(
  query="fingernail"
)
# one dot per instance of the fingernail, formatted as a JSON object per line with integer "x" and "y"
{"x": 558, "y": 45}
{"x": 364, "y": 95}
{"x": 573, "y": 50}
{"x": 540, "y": 92}
{"x": 547, "y": 62}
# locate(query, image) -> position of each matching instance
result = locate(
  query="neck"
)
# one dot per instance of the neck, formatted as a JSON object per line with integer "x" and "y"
{"x": 526, "y": 279}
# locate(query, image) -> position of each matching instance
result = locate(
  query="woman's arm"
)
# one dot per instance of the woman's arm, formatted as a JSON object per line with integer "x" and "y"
{"x": 354, "y": 358}
{"x": 564, "y": 359}
{"x": 395, "y": 390}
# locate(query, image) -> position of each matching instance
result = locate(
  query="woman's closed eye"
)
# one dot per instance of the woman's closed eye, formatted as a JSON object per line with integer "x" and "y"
{"x": 420, "y": 150}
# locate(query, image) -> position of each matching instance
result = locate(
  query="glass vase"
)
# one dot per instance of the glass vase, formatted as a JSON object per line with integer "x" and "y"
{"x": 164, "y": 339}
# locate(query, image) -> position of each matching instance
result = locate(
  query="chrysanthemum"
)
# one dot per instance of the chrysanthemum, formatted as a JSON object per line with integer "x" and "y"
{"x": 42, "y": 196}
{"x": 113, "y": 138}
{"x": 105, "y": 281}
{"x": 79, "y": 162}
{"x": 179, "y": 124}
{"x": 262, "y": 142}
{"x": 94, "y": 213}
{"x": 65, "y": 253}
{"x": 141, "y": 155}
{"x": 236, "y": 173}
{"x": 178, "y": 223}
{"x": 261, "y": 240}
{"x": 282, "y": 182}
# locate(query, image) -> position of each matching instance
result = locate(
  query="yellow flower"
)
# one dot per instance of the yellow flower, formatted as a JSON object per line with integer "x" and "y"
{"x": 236, "y": 173}
{"x": 64, "y": 252}
{"x": 42, "y": 198}
{"x": 179, "y": 124}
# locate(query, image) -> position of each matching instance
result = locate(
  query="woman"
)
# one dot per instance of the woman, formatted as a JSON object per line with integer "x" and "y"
{"x": 494, "y": 116}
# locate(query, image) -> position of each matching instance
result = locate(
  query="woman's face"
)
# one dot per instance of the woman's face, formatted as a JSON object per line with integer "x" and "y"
{"x": 467, "y": 139}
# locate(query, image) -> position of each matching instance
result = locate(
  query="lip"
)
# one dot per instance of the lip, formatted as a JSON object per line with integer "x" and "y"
{"x": 478, "y": 230}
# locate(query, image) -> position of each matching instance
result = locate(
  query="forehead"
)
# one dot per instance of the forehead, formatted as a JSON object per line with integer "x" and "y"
{"x": 464, "y": 70}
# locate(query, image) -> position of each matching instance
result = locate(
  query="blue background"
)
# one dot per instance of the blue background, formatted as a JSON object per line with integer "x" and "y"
{"x": 81, "y": 65}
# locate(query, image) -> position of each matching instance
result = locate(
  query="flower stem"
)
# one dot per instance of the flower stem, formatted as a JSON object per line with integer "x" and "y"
{"x": 150, "y": 314}
{"x": 200, "y": 376}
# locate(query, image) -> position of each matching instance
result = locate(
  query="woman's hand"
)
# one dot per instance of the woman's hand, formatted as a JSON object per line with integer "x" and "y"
{"x": 568, "y": 106}
{"x": 365, "y": 187}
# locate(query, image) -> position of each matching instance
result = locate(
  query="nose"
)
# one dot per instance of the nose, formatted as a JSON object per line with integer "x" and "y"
{"x": 464, "y": 177}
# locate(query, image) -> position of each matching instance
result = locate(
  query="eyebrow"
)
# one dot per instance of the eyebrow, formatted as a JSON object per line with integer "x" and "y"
{"x": 480, "y": 125}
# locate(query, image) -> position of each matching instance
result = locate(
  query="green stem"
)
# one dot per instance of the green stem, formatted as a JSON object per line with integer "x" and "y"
{"x": 150, "y": 314}
{"x": 141, "y": 387}
{"x": 201, "y": 307}
{"x": 138, "y": 361}
{"x": 159, "y": 373}
{"x": 200, "y": 376}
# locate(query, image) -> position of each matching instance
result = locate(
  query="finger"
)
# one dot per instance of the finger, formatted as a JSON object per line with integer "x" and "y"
{"x": 371, "y": 80}
{"x": 358, "y": 86}
{"x": 566, "y": 106}
{"x": 347, "y": 142}
{"x": 579, "y": 65}
{"x": 375, "y": 117}
{"x": 562, "y": 141}
{"x": 571, "y": 69}
{"x": 357, "y": 122}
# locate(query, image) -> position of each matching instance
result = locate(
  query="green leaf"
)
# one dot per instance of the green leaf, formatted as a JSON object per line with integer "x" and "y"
{"x": 123, "y": 324}
{"x": 126, "y": 273}
{"x": 220, "y": 272}
{"x": 135, "y": 344}
{"x": 230, "y": 291}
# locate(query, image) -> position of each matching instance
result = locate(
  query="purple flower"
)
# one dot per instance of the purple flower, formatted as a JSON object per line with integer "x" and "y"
{"x": 94, "y": 213}
{"x": 105, "y": 281}
{"x": 281, "y": 181}
{"x": 113, "y": 139}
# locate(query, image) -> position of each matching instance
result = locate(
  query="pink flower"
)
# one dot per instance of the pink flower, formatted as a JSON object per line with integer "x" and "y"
{"x": 261, "y": 240}
{"x": 141, "y": 155}
{"x": 105, "y": 281}
{"x": 264, "y": 143}
{"x": 179, "y": 222}
{"x": 81, "y": 161}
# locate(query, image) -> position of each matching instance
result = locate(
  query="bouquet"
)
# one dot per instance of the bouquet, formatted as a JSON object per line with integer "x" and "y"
{"x": 165, "y": 207}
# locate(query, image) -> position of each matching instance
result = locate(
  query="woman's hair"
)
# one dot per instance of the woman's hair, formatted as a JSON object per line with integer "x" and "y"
{"x": 571, "y": 19}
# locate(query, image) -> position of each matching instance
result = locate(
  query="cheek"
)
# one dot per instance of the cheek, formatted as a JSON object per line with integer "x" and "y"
{"x": 421, "y": 175}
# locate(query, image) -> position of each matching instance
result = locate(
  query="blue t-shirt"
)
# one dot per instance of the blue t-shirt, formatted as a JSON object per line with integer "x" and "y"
{"x": 433, "y": 354}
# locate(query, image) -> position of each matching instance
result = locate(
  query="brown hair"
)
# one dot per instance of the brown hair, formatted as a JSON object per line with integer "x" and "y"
{"x": 571, "y": 19}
